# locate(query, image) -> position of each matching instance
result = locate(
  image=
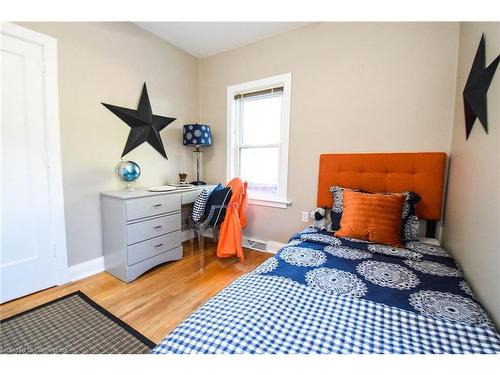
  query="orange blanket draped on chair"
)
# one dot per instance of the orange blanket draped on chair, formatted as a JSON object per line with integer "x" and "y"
{"x": 231, "y": 228}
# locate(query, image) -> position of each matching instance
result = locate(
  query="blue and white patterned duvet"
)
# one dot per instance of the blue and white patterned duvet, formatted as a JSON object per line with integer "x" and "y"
{"x": 323, "y": 294}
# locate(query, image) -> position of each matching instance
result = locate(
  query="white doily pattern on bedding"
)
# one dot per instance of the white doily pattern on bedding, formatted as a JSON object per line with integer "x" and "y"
{"x": 427, "y": 249}
{"x": 444, "y": 305}
{"x": 267, "y": 266}
{"x": 434, "y": 268}
{"x": 299, "y": 256}
{"x": 347, "y": 252}
{"x": 394, "y": 251}
{"x": 323, "y": 238}
{"x": 337, "y": 282}
{"x": 388, "y": 274}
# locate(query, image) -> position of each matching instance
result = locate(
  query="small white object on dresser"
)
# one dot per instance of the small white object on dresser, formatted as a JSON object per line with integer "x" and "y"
{"x": 142, "y": 229}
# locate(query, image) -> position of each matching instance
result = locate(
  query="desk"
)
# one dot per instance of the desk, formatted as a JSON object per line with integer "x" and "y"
{"x": 142, "y": 229}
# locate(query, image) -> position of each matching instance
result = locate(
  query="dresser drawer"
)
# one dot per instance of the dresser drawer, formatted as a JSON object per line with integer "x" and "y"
{"x": 147, "y": 229}
{"x": 138, "y": 269}
{"x": 149, "y": 206}
{"x": 147, "y": 249}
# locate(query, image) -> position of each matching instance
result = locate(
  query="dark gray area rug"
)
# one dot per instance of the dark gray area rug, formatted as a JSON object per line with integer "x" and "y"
{"x": 72, "y": 324}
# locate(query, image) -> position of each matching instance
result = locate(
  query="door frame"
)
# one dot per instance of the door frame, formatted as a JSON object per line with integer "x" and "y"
{"x": 52, "y": 139}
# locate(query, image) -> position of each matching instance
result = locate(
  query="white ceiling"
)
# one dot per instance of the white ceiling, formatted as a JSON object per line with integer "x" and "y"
{"x": 203, "y": 39}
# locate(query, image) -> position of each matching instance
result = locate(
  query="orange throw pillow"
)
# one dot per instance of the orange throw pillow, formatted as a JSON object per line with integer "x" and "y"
{"x": 372, "y": 217}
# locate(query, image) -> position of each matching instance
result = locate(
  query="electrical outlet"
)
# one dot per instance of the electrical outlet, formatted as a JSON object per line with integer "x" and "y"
{"x": 305, "y": 216}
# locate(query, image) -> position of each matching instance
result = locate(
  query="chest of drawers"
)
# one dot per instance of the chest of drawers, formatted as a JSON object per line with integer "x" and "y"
{"x": 141, "y": 230}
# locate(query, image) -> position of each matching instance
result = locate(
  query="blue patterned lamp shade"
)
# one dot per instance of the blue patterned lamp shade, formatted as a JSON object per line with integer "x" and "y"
{"x": 197, "y": 135}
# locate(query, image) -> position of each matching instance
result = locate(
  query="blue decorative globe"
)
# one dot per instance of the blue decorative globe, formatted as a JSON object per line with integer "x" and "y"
{"x": 127, "y": 171}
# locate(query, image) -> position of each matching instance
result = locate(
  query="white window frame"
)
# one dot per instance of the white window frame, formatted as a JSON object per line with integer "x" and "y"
{"x": 285, "y": 80}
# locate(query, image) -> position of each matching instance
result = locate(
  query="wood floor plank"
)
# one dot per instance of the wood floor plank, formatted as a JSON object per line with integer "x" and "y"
{"x": 155, "y": 303}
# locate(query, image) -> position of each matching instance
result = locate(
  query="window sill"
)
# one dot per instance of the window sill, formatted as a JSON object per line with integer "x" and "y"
{"x": 269, "y": 202}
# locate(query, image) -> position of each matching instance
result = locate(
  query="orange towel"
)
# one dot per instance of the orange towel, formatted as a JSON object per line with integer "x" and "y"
{"x": 235, "y": 220}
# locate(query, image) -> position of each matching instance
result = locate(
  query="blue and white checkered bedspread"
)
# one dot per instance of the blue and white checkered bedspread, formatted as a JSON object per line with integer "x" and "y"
{"x": 304, "y": 301}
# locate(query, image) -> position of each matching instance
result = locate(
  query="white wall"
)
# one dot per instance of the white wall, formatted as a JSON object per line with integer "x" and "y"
{"x": 108, "y": 62}
{"x": 472, "y": 218}
{"x": 356, "y": 87}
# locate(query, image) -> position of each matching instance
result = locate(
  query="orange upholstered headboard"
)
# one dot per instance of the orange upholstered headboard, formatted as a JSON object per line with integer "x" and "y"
{"x": 422, "y": 173}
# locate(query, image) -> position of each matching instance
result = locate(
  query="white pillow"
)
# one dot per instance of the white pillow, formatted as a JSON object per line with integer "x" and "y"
{"x": 200, "y": 203}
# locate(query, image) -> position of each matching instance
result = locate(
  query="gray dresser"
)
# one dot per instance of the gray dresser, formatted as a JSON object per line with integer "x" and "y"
{"x": 142, "y": 229}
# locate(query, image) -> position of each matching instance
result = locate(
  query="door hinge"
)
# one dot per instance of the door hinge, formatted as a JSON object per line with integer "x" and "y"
{"x": 54, "y": 250}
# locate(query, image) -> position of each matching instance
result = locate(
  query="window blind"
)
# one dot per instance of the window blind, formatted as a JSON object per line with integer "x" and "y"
{"x": 273, "y": 90}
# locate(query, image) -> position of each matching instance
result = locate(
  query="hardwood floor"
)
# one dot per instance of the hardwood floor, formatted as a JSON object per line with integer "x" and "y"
{"x": 155, "y": 303}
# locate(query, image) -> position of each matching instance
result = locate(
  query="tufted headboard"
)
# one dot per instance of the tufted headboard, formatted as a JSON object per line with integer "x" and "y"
{"x": 422, "y": 173}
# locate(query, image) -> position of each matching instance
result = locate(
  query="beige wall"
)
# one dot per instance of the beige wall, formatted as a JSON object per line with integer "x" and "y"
{"x": 356, "y": 87}
{"x": 108, "y": 62}
{"x": 472, "y": 218}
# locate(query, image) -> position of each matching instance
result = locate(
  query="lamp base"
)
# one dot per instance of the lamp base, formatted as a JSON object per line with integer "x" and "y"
{"x": 198, "y": 183}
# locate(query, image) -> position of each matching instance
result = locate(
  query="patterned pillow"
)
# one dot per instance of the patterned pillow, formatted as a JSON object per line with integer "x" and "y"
{"x": 410, "y": 223}
{"x": 338, "y": 205}
{"x": 201, "y": 202}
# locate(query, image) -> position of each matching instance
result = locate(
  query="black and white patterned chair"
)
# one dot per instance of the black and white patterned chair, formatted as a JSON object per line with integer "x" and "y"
{"x": 215, "y": 212}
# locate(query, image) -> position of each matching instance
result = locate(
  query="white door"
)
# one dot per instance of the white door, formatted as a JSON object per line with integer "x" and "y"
{"x": 28, "y": 252}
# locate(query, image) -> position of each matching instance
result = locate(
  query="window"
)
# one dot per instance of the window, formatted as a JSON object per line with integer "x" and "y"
{"x": 258, "y": 122}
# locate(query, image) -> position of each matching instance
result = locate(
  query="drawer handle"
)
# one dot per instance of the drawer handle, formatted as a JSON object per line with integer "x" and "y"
{"x": 157, "y": 227}
{"x": 157, "y": 205}
{"x": 159, "y": 245}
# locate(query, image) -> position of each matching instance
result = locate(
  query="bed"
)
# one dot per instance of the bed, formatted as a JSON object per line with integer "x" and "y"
{"x": 326, "y": 294}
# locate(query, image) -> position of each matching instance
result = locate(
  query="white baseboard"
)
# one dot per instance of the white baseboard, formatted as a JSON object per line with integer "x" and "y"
{"x": 82, "y": 270}
{"x": 270, "y": 246}
{"x": 273, "y": 246}
{"x": 266, "y": 246}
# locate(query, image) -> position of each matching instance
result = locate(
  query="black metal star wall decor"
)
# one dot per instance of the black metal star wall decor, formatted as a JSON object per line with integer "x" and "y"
{"x": 145, "y": 127}
{"x": 476, "y": 87}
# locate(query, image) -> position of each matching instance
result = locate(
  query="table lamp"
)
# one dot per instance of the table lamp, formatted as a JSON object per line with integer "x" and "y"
{"x": 197, "y": 136}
